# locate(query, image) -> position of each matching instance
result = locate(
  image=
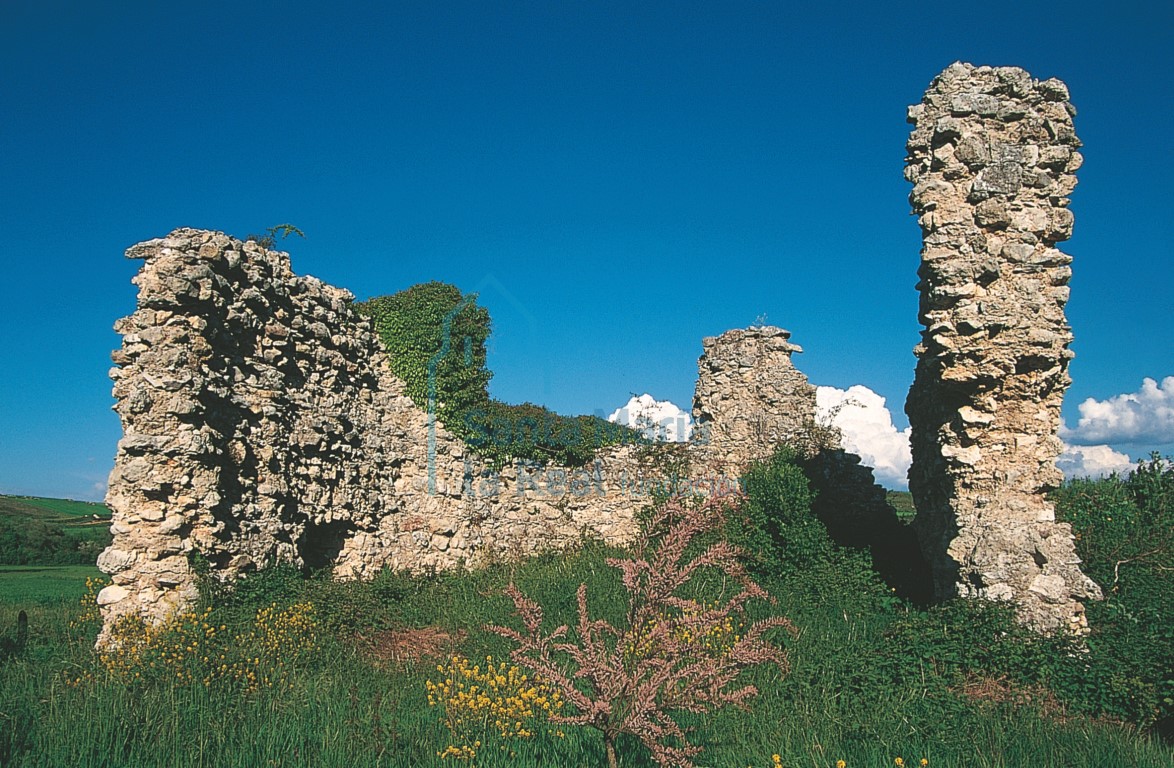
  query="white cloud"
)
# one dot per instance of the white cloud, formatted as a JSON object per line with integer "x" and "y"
{"x": 867, "y": 426}
{"x": 1092, "y": 461}
{"x": 656, "y": 419}
{"x": 1145, "y": 416}
{"x": 97, "y": 491}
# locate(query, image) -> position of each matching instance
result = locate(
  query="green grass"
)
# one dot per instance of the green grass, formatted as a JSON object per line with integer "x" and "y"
{"x": 849, "y": 694}
{"x": 41, "y": 584}
{"x": 871, "y": 679}
{"x": 902, "y": 504}
{"x": 79, "y": 519}
{"x": 57, "y": 508}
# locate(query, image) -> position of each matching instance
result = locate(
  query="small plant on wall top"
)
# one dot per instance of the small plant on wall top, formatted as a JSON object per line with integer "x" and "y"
{"x": 678, "y": 649}
{"x": 270, "y": 238}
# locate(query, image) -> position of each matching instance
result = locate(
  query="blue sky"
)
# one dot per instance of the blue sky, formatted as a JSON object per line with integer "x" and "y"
{"x": 616, "y": 180}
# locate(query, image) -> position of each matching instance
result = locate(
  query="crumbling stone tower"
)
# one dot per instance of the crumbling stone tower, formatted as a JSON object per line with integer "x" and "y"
{"x": 991, "y": 159}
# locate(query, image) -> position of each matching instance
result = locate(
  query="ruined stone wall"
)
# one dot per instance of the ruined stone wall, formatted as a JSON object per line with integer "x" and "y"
{"x": 991, "y": 159}
{"x": 261, "y": 423}
{"x": 749, "y": 398}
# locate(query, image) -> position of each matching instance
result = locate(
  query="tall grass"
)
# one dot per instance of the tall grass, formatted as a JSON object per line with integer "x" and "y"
{"x": 871, "y": 679}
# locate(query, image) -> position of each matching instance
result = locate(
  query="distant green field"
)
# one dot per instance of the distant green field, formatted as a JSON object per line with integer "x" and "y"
{"x": 44, "y": 583}
{"x": 59, "y": 506}
{"x": 79, "y": 520}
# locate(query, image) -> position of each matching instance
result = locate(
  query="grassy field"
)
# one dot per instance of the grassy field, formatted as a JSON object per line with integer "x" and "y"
{"x": 290, "y": 670}
{"x": 36, "y": 531}
{"x": 360, "y": 700}
{"x": 81, "y": 519}
{"x": 44, "y": 584}
{"x": 902, "y": 503}
{"x": 61, "y": 510}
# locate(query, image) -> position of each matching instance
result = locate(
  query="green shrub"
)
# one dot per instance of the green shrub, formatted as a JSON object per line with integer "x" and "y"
{"x": 28, "y": 541}
{"x": 532, "y": 433}
{"x": 964, "y": 639}
{"x": 1124, "y": 528}
{"x": 350, "y": 607}
{"x": 269, "y": 239}
{"x": 435, "y": 337}
{"x": 776, "y": 525}
{"x": 1152, "y": 485}
{"x": 275, "y": 583}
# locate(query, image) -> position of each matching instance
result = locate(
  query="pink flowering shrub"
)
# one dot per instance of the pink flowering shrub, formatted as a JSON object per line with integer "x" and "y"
{"x": 671, "y": 654}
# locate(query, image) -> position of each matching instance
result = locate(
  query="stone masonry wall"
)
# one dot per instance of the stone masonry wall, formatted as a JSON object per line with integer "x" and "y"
{"x": 991, "y": 159}
{"x": 749, "y": 398}
{"x": 262, "y": 423}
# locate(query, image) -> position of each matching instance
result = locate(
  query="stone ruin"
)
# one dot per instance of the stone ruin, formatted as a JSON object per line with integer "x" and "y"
{"x": 991, "y": 159}
{"x": 749, "y": 398}
{"x": 262, "y": 422}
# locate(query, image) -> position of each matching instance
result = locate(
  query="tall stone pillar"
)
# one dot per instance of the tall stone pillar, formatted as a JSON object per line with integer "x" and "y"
{"x": 991, "y": 159}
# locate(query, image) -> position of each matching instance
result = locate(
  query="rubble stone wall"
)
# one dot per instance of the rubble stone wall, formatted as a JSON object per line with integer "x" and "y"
{"x": 749, "y": 398}
{"x": 992, "y": 158}
{"x": 261, "y": 423}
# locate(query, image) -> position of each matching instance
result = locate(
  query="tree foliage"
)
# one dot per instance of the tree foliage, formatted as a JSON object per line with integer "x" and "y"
{"x": 26, "y": 541}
